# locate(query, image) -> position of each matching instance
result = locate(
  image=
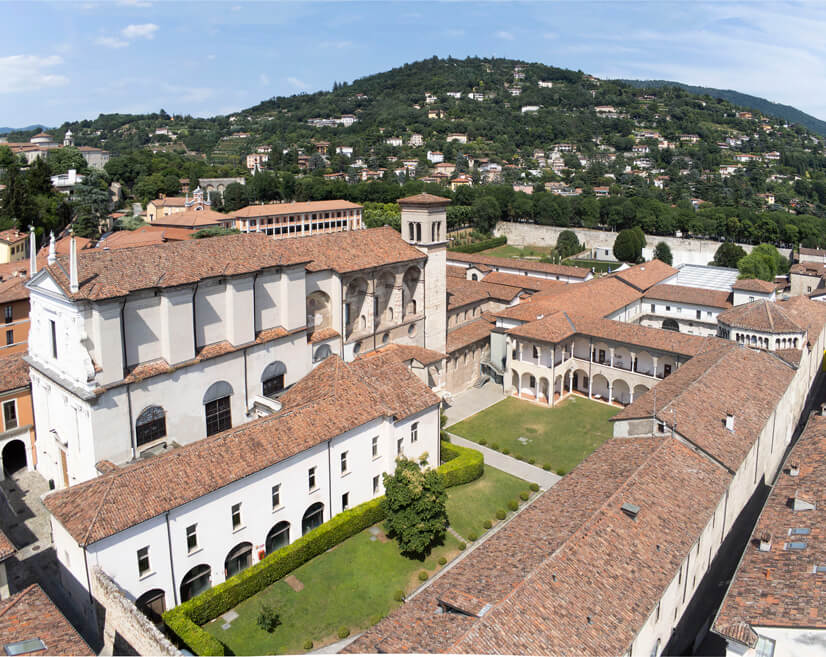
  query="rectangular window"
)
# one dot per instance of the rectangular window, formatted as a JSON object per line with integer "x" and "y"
{"x": 276, "y": 496}
{"x": 343, "y": 462}
{"x": 345, "y": 501}
{"x": 376, "y": 485}
{"x": 53, "y": 327}
{"x": 272, "y": 386}
{"x": 375, "y": 446}
{"x": 143, "y": 561}
{"x": 668, "y": 308}
{"x": 699, "y": 314}
{"x": 10, "y": 414}
{"x": 311, "y": 478}
{"x": 236, "y": 515}
{"x": 191, "y": 538}
{"x": 218, "y": 416}
{"x": 8, "y": 311}
{"x": 9, "y": 337}
{"x": 399, "y": 445}
{"x": 414, "y": 432}
{"x": 653, "y": 307}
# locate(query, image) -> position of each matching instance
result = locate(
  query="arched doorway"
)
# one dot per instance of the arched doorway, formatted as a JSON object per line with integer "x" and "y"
{"x": 278, "y": 537}
{"x": 671, "y": 325}
{"x": 152, "y": 604}
{"x": 313, "y": 517}
{"x": 196, "y": 581}
{"x": 14, "y": 457}
{"x": 238, "y": 559}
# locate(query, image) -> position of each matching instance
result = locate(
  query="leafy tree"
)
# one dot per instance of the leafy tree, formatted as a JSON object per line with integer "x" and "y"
{"x": 728, "y": 254}
{"x": 414, "y": 505}
{"x": 486, "y": 212}
{"x": 627, "y": 247}
{"x": 68, "y": 157}
{"x": 268, "y": 618}
{"x": 381, "y": 214}
{"x": 235, "y": 197}
{"x": 755, "y": 266}
{"x": 86, "y": 224}
{"x": 214, "y": 231}
{"x": 567, "y": 244}
{"x": 663, "y": 252}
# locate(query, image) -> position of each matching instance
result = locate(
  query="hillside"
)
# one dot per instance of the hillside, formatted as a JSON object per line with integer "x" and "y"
{"x": 767, "y": 107}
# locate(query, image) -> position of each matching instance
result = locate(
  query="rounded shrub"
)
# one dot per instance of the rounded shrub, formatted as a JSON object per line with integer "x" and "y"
{"x": 483, "y": 441}
{"x": 487, "y": 524}
{"x": 513, "y": 505}
{"x": 532, "y": 461}
{"x": 442, "y": 561}
{"x": 546, "y": 466}
{"x": 423, "y": 575}
{"x": 518, "y": 457}
{"x": 343, "y": 632}
{"x": 308, "y": 645}
{"x": 472, "y": 537}
{"x": 494, "y": 446}
{"x": 524, "y": 495}
{"x": 561, "y": 472}
{"x": 462, "y": 546}
{"x": 534, "y": 486}
{"x": 398, "y": 596}
{"x": 506, "y": 451}
{"x": 500, "y": 514}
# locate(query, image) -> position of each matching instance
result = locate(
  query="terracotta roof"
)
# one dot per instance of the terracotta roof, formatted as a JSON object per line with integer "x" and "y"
{"x": 550, "y": 586}
{"x": 423, "y": 199}
{"x": 12, "y": 235}
{"x": 335, "y": 397}
{"x": 406, "y": 352}
{"x": 14, "y": 289}
{"x": 30, "y": 614}
{"x": 191, "y": 219}
{"x": 467, "y": 334}
{"x": 517, "y": 263}
{"x": 14, "y": 373}
{"x": 530, "y": 283}
{"x": 144, "y": 236}
{"x": 455, "y": 271}
{"x": 779, "y": 587}
{"x": 791, "y": 356}
{"x": 170, "y": 201}
{"x": 322, "y": 335}
{"x": 461, "y": 292}
{"x": 62, "y": 247}
{"x": 275, "y": 209}
{"x": 697, "y": 397}
{"x": 692, "y": 295}
{"x": 809, "y": 268}
{"x": 808, "y": 314}
{"x": 646, "y": 274}
{"x": 760, "y": 315}
{"x": 754, "y": 285}
{"x": 6, "y": 547}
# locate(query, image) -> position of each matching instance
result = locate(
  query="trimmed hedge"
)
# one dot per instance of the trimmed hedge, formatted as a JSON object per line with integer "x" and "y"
{"x": 462, "y": 465}
{"x": 484, "y": 245}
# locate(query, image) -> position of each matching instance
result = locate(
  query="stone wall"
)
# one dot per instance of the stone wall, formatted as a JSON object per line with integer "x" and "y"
{"x": 124, "y": 629}
{"x": 683, "y": 250}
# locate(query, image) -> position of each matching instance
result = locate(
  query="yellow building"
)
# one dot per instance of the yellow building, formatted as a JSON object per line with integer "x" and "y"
{"x": 13, "y": 246}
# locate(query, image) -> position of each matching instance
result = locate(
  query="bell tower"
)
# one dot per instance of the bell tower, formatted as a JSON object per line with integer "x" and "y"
{"x": 424, "y": 225}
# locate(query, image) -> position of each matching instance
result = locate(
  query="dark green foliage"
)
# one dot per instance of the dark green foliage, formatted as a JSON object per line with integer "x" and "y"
{"x": 487, "y": 524}
{"x": 214, "y": 231}
{"x": 486, "y": 212}
{"x": 728, "y": 254}
{"x": 546, "y": 466}
{"x": 524, "y": 495}
{"x": 494, "y": 446}
{"x": 561, "y": 472}
{"x": 506, "y": 451}
{"x": 627, "y": 246}
{"x": 343, "y": 632}
{"x": 461, "y": 465}
{"x": 268, "y": 618}
{"x": 567, "y": 244}
{"x": 764, "y": 262}
{"x": 663, "y": 252}
{"x": 414, "y": 506}
{"x": 484, "y": 245}
{"x": 472, "y": 537}
{"x": 398, "y": 596}
{"x": 423, "y": 576}
{"x": 532, "y": 460}
{"x": 442, "y": 561}
{"x": 513, "y": 505}
{"x": 534, "y": 487}
{"x": 483, "y": 442}
{"x": 308, "y": 645}
{"x": 462, "y": 547}
{"x": 235, "y": 197}
{"x": 500, "y": 514}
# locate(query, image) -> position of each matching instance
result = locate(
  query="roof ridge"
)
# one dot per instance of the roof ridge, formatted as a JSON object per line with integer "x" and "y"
{"x": 100, "y": 506}
{"x": 17, "y": 597}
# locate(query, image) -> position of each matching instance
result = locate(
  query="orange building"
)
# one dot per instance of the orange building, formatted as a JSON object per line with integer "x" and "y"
{"x": 17, "y": 451}
{"x": 14, "y": 303}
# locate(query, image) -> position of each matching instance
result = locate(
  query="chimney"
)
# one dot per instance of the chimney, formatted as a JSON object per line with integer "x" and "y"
{"x": 73, "y": 286}
{"x": 52, "y": 256}
{"x": 794, "y": 469}
{"x": 730, "y": 422}
{"x": 32, "y": 252}
{"x": 765, "y": 542}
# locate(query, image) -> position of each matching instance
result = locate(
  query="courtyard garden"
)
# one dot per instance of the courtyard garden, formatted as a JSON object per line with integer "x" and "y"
{"x": 509, "y": 251}
{"x": 556, "y": 438}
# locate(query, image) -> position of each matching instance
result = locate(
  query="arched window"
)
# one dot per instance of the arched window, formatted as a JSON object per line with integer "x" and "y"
{"x": 217, "y": 408}
{"x": 535, "y": 351}
{"x": 474, "y": 277}
{"x": 278, "y": 537}
{"x": 313, "y": 517}
{"x": 195, "y": 581}
{"x": 150, "y": 425}
{"x": 152, "y": 604}
{"x": 238, "y": 559}
{"x": 272, "y": 379}
{"x": 321, "y": 353}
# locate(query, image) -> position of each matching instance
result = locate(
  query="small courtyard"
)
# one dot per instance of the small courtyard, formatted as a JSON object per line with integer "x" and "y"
{"x": 354, "y": 584}
{"x": 559, "y": 437}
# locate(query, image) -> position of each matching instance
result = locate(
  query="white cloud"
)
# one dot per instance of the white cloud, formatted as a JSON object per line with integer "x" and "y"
{"x": 507, "y": 36}
{"x": 29, "y": 73}
{"x": 111, "y": 42}
{"x": 142, "y": 31}
{"x": 298, "y": 84}
{"x": 264, "y": 79}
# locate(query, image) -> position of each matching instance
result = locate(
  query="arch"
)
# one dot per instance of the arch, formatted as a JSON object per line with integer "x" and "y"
{"x": 644, "y": 363}
{"x": 197, "y": 580}
{"x": 621, "y": 392}
{"x": 277, "y": 537}
{"x": 544, "y": 389}
{"x": 515, "y": 381}
{"x": 313, "y": 517}
{"x": 410, "y": 287}
{"x": 385, "y": 286}
{"x": 600, "y": 386}
{"x": 474, "y": 277}
{"x": 666, "y": 365}
{"x": 152, "y": 604}
{"x": 640, "y": 389}
{"x": 217, "y": 390}
{"x": 318, "y": 311}
{"x": 14, "y": 457}
{"x": 321, "y": 353}
{"x": 272, "y": 379}
{"x": 150, "y": 425}
{"x": 795, "y": 343}
{"x": 601, "y": 353}
{"x": 580, "y": 381}
{"x": 671, "y": 325}
{"x": 355, "y": 300}
{"x": 622, "y": 358}
{"x": 528, "y": 384}
{"x": 239, "y": 558}
{"x": 217, "y": 408}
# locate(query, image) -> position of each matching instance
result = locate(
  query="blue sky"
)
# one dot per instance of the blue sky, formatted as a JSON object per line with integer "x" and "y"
{"x": 73, "y": 60}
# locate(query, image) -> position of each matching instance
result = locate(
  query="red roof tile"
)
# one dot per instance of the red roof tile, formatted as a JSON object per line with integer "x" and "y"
{"x": 646, "y": 274}
{"x": 467, "y": 334}
{"x": 760, "y": 315}
{"x": 14, "y": 372}
{"x": 754, "y": 285}
{"x": 692, "y": 295}
{"x": 516, "y": 263}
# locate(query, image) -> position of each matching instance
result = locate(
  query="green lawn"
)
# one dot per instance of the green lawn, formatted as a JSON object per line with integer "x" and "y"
{"x": 600, "y": 266}
{"x": 508, "y": 251}
{"x": 561, "y": 436}
{"x": 468, "y": 506}
{"x": 351, "y": 585}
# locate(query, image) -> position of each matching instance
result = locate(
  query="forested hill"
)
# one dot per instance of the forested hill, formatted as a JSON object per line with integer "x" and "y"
{"x": 785, "y": 112}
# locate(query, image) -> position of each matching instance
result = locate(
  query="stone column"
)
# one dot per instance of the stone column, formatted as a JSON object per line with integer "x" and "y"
{"x": 655, "y": 359}
{"x": 610, "y": 392}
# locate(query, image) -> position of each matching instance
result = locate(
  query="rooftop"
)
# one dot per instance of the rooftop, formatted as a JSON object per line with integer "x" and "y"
{"x": 144, "y": 236}
{"x": 461, "y": 292}
{"x": 276, "y": 209}
{"x": 12, "y": 235}
{"x": 706, "y": 276}
{"x": 407, "y": 352}
{"x": 6, "y": 547}
{"x": 646, "y": 274}
{"x": 14, "y": 373}
{"x": 691, "y": 295}
{"x": 517, "y": 263}
{"x": 191, "y": 219}
{"x": 754, "y": 285}
{"x": 530, "y": 283}
{"x": 467, "y": 334}
{"x": 335, "y": 397}
{"x": 761, "y": 315}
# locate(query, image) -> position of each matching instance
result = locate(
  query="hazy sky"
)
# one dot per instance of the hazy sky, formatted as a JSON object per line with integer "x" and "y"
{"x": 73, "y": 60}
